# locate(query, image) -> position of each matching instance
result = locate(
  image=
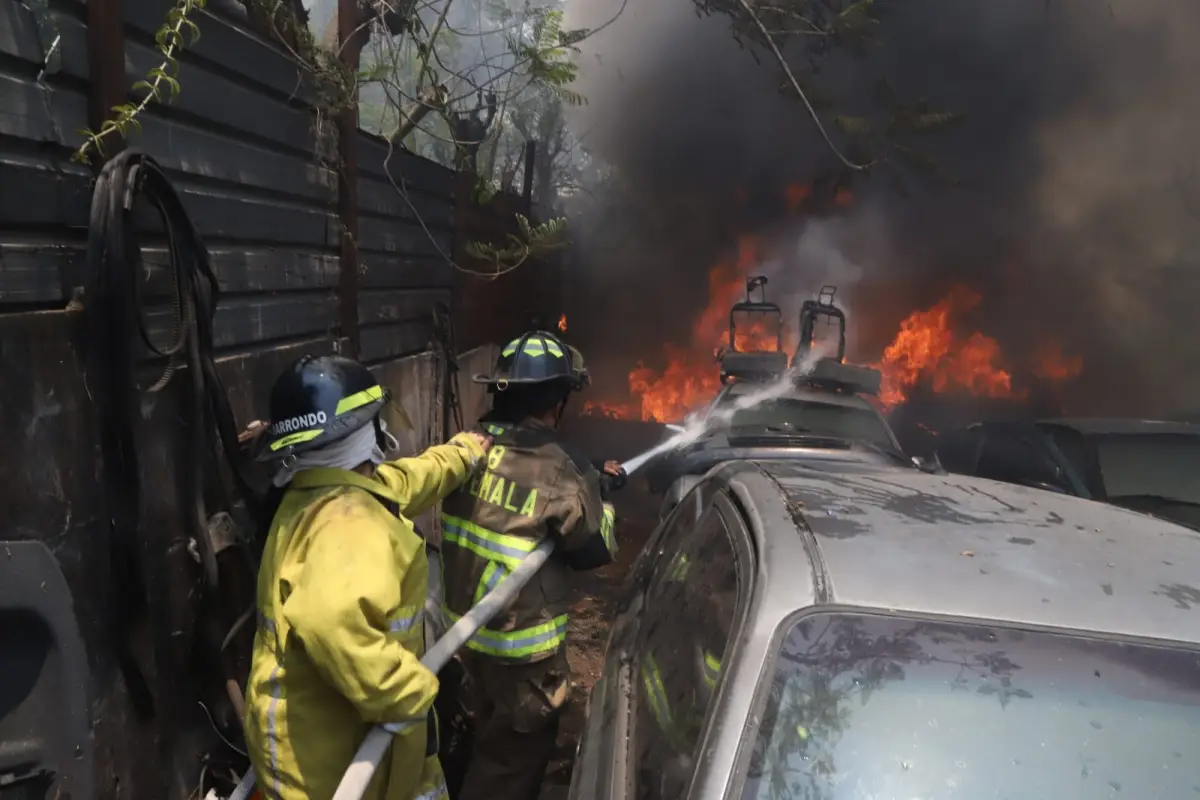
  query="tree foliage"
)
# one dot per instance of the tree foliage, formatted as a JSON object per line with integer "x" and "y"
{"x": 804, "y": 37}
{"x": 422, "y": 84}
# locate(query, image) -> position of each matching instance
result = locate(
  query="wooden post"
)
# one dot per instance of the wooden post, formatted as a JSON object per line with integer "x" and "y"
{"x": 106, "y": 66}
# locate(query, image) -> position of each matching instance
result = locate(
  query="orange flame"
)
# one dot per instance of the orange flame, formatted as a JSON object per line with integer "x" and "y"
{"x": 927, "y": 349}
{"x": 1051, "y": 364}
{"x": 691, "y": 377}
{"x": 795, "y": 195}
{"x": 562, "y": 323}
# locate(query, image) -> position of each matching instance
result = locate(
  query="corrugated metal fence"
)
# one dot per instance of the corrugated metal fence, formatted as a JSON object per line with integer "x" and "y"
{"x": 242, "y": 146}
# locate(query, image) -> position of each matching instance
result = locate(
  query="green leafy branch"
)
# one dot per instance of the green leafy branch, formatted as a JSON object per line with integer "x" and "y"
{"x": 333, "y": 83}
{"x": 532, "y": 241}
{"x": 550, "y": 55}
{"x": 161, "y": 84}
{"x": 899, "y": 122}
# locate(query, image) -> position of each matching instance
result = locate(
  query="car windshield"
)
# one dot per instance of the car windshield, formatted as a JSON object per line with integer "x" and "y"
{"x": 865, "y": 706}
{"x": 822, "y": 419}
{"x": 1150, "y": 471}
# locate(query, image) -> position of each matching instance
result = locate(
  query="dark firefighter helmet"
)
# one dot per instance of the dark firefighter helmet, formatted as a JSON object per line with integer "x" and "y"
{"x": 537, "y": 357}
{"x": 319, "y": 400}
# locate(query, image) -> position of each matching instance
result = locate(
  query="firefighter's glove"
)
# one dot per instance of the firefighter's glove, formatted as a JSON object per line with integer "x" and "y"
{"x": 612, "y": 476}
{"x": 476, "y": 445}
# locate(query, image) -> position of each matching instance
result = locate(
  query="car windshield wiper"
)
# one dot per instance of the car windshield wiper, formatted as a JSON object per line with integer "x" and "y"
{"x": 887, "y": 451}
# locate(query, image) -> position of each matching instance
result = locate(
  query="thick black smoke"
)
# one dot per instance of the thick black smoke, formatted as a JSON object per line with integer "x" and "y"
{"x": 1077, "y": 218}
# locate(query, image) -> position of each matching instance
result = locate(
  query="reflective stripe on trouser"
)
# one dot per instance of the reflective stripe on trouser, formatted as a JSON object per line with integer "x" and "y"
{"x": 679, "y": 568}
{"x": 508, "y": 550}
{"x": 660, "y": 706}
{"x": 519, "y": 644}
{"x": 710, "y": 669}
{"x": 606, "y": 527}
{"x": 656, "y": 693}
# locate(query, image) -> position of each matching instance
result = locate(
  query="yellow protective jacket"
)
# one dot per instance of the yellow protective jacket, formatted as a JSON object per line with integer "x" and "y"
{"x": 341, "y": 595}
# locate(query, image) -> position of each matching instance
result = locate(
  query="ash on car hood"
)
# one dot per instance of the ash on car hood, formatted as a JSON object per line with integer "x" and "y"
{"x": 860, "y": 497}
{"x": 951, "y": 544}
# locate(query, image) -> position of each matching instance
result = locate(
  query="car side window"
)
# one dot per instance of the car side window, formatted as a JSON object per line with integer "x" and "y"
{"x": 690, "y": 608}
{"x": 959, "y": 452}
{"x": 1017, "y": 459}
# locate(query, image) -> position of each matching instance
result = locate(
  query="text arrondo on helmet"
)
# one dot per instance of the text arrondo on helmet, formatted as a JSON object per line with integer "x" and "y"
{"x": 299, "y": 423}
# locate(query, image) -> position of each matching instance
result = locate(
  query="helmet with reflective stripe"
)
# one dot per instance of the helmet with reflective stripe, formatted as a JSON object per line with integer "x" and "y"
{"x": 536, "y": 357}
{"x": 319, "y": 400}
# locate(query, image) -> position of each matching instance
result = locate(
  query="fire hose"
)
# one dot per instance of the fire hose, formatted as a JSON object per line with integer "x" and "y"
{"x": 373, "y": 749}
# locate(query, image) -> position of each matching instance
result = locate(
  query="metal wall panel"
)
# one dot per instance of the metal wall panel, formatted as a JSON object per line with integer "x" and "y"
{"x": 406, "y": 241}
{"x": 241, "y": 146}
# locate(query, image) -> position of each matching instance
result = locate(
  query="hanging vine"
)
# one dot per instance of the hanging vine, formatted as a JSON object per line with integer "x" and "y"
{"x": 160, "y": 85}
{"x": 544, "y": 56}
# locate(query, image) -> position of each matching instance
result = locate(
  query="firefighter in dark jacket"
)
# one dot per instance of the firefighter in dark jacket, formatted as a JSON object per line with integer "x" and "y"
{"x": 533, "y": 487}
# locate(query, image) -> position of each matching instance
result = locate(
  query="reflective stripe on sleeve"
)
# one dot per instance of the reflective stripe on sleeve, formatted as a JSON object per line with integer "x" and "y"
{"x": 406, "y": 620}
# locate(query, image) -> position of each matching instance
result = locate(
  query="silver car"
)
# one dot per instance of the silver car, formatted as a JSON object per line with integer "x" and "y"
{"x": 851, "y": 630}
{"x": 807, "y": 423}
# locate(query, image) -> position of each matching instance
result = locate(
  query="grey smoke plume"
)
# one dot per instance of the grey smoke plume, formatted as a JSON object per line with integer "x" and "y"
{"x": 1078, "y": 217}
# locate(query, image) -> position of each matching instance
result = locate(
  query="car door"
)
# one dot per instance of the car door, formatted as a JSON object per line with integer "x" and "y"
{"x": 958, "y": 451}
{"x": 650, "y": 712}
{"x": 1021, "y": 457}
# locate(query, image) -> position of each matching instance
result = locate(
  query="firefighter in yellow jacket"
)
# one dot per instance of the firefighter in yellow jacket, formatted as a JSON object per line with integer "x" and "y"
{"x": 533, "y": 487}
{"x": 341, "y": 590}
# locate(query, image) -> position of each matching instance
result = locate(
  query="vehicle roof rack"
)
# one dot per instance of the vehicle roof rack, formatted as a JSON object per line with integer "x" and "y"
{"x": 760, "y": 366}
{"x": 813, "y": 311}
{"x": 753, "y": 364}
{"x": 829, "y": 373}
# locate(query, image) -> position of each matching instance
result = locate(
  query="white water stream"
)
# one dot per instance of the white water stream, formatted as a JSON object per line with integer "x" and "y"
{"x": 697, "y": 424}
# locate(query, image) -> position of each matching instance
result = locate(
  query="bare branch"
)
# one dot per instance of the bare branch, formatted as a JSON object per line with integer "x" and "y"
{"x": 812, "y": 112}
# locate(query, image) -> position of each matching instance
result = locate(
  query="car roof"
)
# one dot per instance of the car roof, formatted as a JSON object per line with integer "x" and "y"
{"x": 896, "y": 539}
{"x": 1125, "y": 426}
{"x": 805, "y": 393}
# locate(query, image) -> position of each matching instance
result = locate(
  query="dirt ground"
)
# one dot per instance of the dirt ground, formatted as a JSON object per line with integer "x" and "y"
{"x": 591, "y": 615}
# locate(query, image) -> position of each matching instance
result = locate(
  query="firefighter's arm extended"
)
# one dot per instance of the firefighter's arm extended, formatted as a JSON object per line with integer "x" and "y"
{"x": 345, "y": 597}
{"x": 584, "y": 520}
{"x": 612, "y": 477}
{"x": 421, "y": 481}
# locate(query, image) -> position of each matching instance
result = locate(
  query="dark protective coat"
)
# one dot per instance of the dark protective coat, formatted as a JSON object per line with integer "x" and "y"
{"x": 532, "y": 488}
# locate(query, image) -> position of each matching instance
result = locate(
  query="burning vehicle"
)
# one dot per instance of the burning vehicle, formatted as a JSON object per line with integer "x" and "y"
{"x": 1142, "y": 465}
{"x": 820, "y": 414}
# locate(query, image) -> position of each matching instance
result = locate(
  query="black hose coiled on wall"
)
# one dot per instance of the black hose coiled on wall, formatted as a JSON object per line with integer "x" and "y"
{"x": 114, "y": 324}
